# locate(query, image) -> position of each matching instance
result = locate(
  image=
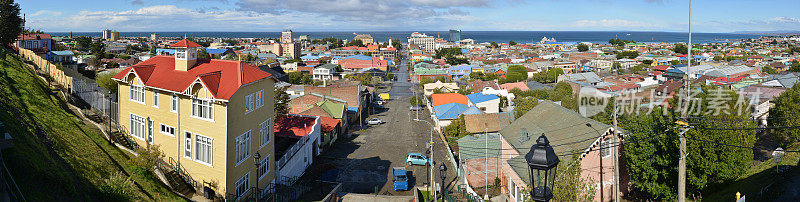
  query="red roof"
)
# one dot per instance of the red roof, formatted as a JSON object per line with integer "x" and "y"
{"x": 185, "y": 43}
{"x": 294, "y": 126}
{"x": 661, "y": 67}
{"x": 33, "y": 36}
{"x": 447, "y": 98}
{"x": 328, "y": 124}
{"x": 221, "y": 77}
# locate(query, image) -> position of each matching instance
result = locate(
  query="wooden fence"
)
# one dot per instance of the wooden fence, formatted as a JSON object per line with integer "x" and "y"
{"x": 41, "y": 64}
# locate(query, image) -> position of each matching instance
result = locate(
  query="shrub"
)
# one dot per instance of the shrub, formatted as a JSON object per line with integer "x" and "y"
{"x": 118, "y": 187}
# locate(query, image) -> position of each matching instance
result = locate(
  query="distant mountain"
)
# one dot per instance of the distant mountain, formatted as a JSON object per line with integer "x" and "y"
{"x": 778, "y": 32}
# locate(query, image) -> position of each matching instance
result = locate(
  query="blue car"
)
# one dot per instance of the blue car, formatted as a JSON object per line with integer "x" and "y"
{"x": 417, "y": 159}
{"x": 400, "y": 178}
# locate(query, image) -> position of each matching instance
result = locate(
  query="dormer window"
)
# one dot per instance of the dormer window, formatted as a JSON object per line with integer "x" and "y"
{"x": 180, "y": 54}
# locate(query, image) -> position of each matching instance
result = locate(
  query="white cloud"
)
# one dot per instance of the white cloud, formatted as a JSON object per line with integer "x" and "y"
{"x": 610, "y": 23}
{"x": 45, "y": 13}
{"x": 786, "y": 19}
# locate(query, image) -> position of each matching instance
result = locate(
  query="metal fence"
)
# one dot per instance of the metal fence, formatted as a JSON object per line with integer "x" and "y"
{"x": 99, "y": 99}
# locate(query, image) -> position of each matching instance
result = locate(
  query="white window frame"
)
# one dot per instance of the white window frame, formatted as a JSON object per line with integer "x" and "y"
{"x": 249, "y": 104}
{"x": 155, "y": 98}
{"x": 174, "y": 103}
{"x": 138, "y": 127}
{"x": 203, "y": 142}
{"x": 264, "y": 167}
{"x": 242, "y": 186}
{"x": 168, "y": 130}
{"x": 605, "y": 147}
{"x": 242, "y": 150}
{"x": 187, "y": 145}
{"x": 201, "y": 105}
{"x": 259, "y": 99}
{"x": 264, "y": 133}
{"x": 137, "y": 94}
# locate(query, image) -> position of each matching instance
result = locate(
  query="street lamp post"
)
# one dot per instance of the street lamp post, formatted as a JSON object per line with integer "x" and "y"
{"x": 542, "y": 165}
{"x": 430, "y": 149}
{"x": 256, "y": 156}
{"x": 443, "y": 175}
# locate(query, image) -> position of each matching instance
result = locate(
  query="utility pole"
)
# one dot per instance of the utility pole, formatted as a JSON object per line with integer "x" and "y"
{"x": 616, "y": 153}
{"x": 601, "y": 168}
{"x": 682, "y": 159}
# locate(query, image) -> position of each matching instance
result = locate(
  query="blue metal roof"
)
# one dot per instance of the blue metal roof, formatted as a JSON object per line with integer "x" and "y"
{"x": 216, "y": 51}
{"x": 473, "y": 110}
{"x": 359, "y": 57}
{"x": 63, "y": 53}
{"x": 480, "y": 97}
{"x": 164, "y": 50}
{"x": 309, "y": 57}
{"x": 449, "y": 111}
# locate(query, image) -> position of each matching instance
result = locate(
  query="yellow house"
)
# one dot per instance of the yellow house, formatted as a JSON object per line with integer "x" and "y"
{"x": 208, "y": 116}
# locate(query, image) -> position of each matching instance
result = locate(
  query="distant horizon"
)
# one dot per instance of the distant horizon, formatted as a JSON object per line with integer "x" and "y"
{"x": 426, "y": 31}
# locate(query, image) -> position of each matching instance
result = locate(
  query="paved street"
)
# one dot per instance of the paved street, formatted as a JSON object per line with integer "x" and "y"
{"x": 365, "y": 160}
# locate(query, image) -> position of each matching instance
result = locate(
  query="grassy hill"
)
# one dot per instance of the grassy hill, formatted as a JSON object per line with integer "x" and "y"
{"x": 56, "y": 155}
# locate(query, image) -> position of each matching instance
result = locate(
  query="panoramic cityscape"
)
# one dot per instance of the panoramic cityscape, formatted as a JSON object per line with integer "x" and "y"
{"x": 399, "y": 100}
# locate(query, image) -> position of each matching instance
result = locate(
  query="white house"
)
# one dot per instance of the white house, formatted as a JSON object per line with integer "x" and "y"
{"x": 324, "y": 72}
{"x": 487, "y": 103}
{"x": 298, "y": 142}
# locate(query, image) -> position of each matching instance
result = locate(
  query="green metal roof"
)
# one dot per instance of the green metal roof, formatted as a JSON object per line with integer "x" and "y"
{"x": 475, "y": 146}
{"x": 426, "y": 71}
{"x": 336, "y": 110}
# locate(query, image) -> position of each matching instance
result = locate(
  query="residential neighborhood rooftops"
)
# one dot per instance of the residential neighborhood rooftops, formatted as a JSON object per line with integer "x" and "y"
{"x": 185, "y": 43}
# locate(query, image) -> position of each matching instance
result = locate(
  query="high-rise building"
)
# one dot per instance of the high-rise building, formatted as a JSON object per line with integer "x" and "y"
{"x": 153, "y": 37}
{"x": 455, "y": 35}
{"x": 286, "y": 36}
{"x": 106, "y": 34}
{"x": 114, "y": 36}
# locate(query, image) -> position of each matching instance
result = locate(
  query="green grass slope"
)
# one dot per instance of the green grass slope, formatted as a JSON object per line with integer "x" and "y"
{"x": 56, "y": 155}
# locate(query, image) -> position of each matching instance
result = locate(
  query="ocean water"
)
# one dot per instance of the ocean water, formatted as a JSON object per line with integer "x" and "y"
{"x": 478, "y": 36}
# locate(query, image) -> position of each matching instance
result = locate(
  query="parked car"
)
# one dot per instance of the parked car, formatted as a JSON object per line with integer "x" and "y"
{"x": 415, "y": 108}
{"x": 374, "y": 121}
{"x": 400, "y": 178}
{"x": 418, "y": 159}
{"x": 380, "y": 102}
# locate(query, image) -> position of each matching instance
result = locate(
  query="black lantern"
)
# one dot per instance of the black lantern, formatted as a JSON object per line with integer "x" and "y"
{"x": 542, "y": 163}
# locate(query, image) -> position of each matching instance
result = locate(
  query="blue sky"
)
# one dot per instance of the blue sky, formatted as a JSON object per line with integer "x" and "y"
{"x": 410, "y": 15}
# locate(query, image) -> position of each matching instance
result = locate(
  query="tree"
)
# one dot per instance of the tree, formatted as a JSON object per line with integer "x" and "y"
{"x": 512, "y": 43}
{"x": 769, "y": 70}
{"x": 583, "y": 47}
{"x": 652, "y": 165}
{"x": 417, "y": 100}
{"x": 83, "y": 43}
{"x": 647, "y": 62}
{"x": 523, "y": 105}
{"x": 98, "y": 50}
{"x": 786, "y": 106}
{"x": 356, "y": 42}
{"x": 112, "y": 65}
{"x": 447, "y": 53}
{"x": 281, "y": 102}
{"x": 10, "y": 22}
{"x": 457, "y": 61}
{"x": 516, "y": 73}
{"x": 680, "y": 48}
{"x": 627, "y": 54}
{"x": 494, "y": 44}
{"x": 795, "y": 67}
{"x": 457, "y": 128}
{"x": 202, "y": 53}
{"x": 294, "y": 78}
{"x": 569, "y": 185}
{"x": 476, "y": 76}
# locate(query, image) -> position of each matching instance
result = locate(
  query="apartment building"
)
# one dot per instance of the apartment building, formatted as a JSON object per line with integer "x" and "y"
{"x": 424, "y": 41}
{"x": 208, "y": 116}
